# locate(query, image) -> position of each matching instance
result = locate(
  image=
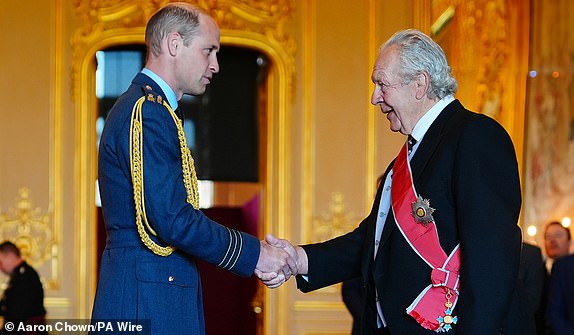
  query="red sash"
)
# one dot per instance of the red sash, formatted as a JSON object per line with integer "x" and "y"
{"x": 434, "y": 305}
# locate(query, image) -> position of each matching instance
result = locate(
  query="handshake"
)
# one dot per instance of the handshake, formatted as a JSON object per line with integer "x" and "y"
{"x": 278, "y": 261}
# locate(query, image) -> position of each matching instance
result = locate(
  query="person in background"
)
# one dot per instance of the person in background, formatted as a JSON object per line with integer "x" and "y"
{"x": 440, "y": 249}
{"x": 23, "y": 299}
{"x": 352, "y": 294}
{"x": 533, "y": 279}
{"x": 560, "y": 304}
{"x": 556, "y": 242}
{"x": 149, "y": 192}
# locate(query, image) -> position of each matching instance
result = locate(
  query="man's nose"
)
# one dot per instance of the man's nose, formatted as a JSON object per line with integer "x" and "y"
{"x": 376, "y": 97}
{"x": 214, "y": 66}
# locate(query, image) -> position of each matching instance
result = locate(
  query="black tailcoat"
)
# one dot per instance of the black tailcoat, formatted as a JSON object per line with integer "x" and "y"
{"x": 466, "y": 166}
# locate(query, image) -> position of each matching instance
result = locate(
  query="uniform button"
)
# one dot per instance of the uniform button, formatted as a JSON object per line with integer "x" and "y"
{"x": 170, "y": 279}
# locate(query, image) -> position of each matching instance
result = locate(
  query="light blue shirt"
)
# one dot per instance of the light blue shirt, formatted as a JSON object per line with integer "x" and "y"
{"x": 169, "y": 93}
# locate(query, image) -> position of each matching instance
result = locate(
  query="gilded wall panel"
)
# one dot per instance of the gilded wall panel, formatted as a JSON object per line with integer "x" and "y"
{"x": 338, "y": 220}
{"x": 486, "y": 42}
{"x": 345, "y": 139}
{"x": 31, "y": 135}
{"x": 549, "y": 168}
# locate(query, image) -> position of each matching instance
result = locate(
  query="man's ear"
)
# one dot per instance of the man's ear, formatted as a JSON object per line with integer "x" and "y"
{"x": 422, "y": 82}
{"x": 173, "y": 41}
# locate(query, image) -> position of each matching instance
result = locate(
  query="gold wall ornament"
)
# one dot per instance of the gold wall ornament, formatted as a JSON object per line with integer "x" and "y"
{"x": 32, "y": 232}
{"x": 481, "y": 28}
{"x": 258, "y": 20}
{"x": 487, "y": 45}
{"x": 335, "y": 223}
{"x": 99, "y": 15}
{"x": 549, "y": 154}
{"x": 494, "y": 60}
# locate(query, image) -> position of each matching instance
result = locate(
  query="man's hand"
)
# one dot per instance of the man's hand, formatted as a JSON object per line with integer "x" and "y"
{"x": 296, "y": 262}
{"x": 275, "y": 265}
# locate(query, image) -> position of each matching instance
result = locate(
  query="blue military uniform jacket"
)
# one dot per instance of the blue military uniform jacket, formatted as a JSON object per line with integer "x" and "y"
{"x": 134, "y": 283}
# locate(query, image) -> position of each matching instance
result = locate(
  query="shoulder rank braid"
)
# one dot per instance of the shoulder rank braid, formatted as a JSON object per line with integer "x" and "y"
{"x": 137, "y": 171}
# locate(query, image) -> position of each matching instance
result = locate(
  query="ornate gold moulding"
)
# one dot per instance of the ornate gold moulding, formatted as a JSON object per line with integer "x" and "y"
{"x": 249, "y": 23}
{"x": 33, "y": 233}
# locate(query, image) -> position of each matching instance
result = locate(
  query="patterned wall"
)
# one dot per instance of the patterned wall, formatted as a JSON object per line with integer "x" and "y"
{"x": 549, "y": 164}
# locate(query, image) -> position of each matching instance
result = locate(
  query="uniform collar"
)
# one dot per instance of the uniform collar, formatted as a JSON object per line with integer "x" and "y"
{"x": 169, "y": 93}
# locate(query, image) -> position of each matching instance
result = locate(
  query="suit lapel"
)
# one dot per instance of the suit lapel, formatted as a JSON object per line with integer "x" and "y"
{"x": 431, "y": 140}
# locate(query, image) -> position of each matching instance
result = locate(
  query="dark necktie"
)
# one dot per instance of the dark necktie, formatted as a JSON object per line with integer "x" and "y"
{"x": 411, "y": 143}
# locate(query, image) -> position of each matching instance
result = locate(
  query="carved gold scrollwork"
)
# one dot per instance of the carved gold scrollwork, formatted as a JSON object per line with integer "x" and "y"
{"x": 481, "y": 28}
{"x": 493, "y": 39}
{"x": 261, "y": 20}
{"x": 107, "y": 14}
{"x": 335, "y": 223}
{"x": 32, "y": 232}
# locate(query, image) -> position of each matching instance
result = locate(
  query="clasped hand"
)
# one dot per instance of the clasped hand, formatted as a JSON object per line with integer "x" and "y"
{"x": 278, "y": 261}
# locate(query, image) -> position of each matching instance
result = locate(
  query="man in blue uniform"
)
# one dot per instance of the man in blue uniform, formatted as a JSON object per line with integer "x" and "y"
{"x": 148, "y": 188}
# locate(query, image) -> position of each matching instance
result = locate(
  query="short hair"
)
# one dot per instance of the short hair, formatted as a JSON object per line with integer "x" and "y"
{"x": 558, "y": 223}
{"x": 9, "y": 247}
{"x": 418, "y": 53}
{"x": 179, "y": 17}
